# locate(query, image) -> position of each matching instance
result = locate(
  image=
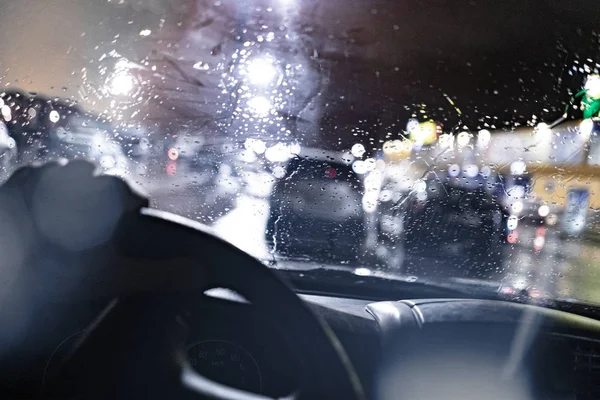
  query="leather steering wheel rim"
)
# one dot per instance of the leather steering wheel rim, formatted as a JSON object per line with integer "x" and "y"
{"x": 160, "y": 254}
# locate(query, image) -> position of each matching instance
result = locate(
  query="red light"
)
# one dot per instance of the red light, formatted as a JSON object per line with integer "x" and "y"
{"x": 330, "y": 173}
{"x": 507, "y": 290}
{"x": 512, "y": 237}
{"x": 171, "y": 168}
{"x": 540, "y": 231}
{"x": 173, "y": 153}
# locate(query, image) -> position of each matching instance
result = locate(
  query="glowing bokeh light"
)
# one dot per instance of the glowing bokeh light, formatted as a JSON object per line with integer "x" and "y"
{"x": 357, "y": 150}
{"x": 54, "y": 116}
{"x": 463, "y": 139}
{"x": 592, "y": 86}
{"x": 512, "y": 223}
{"x": 471, "y": 170}
{"x": 538, "y": 243}
{"x": 261, "y": 71}
{"x": 362, "y": 271}
{"x": 552, "y": 219}
{"x": 517, "y": 207}
{"x": 256, "y": 145}
{"x": 543, "y": 211}
{"x": 586, "y": 127}
{"x": 446, "y": 141}
{"x": 370, "y": 164}
{"x": 121, "y": 84}
{"x": 260, "y": 106}
{"x": 543, "y": 133}
{"x": 518, "y": 168}
{"x": 6, "y": 112}
{"x": 454, "y": 170}
{"x": 359, "y": 167}
{"x": 295, "y": 148}
{"x": 278, "y": 153}
{"x": 412, "y": 125}
{"x": 483, "y": 138}
{"x": 420, "y": 186}
{"x": 173, "y": 154}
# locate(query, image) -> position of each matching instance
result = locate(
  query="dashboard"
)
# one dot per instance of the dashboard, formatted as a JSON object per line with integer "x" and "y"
{"x": 234, "y": 345}
{"x": 559, "y": 357}
{"x": 228, "y": 342}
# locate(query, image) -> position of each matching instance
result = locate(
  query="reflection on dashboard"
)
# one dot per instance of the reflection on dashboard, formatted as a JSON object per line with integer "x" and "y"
{"x": 227, "y": 363}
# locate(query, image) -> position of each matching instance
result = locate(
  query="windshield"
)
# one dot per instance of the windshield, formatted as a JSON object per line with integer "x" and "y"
{"x": 441, "y": 141}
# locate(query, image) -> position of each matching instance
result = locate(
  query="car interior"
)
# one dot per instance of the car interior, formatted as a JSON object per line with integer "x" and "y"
{"x": 113, "y": 291}
{"x": 165, "y": 309}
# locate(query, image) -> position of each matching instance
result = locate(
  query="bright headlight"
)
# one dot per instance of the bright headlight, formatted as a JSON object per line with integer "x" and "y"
{"x": 262, "y": 71}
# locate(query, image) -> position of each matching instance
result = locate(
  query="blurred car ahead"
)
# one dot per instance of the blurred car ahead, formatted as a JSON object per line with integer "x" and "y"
{"x": 528, "y": 223}
{"x": 316, "y": 210}
{"x": 457, "y": 220}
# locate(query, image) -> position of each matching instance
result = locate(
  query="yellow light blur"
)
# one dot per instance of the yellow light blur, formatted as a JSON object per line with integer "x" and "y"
{"x": 396, "y": 150}
{"x": 426, "y": 133}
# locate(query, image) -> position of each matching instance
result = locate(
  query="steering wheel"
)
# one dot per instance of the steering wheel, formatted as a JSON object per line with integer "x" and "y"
{"x": 153, "y": 265}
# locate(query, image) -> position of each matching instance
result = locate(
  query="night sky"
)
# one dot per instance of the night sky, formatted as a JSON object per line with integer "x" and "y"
{"x": 379, "y": 62}
{"x": 501, "y": 63}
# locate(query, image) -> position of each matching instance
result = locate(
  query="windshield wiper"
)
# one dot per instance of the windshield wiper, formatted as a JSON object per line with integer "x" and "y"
{"x": 354, "y": 282}
{"x": 312, "y": 278}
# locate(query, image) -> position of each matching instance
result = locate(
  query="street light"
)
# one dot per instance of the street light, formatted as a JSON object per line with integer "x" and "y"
{"x": 261, "y": 71}
{"x": 543, "y": 133}
{"x": 592, "y": 86}
{"x": 121, "y": 84}
{"x": 260, "y": 106}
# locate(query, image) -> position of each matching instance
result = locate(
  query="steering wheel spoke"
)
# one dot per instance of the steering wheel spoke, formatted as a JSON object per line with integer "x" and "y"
{"x": 214, "y": 390}
{"x": 148, "y": 259}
